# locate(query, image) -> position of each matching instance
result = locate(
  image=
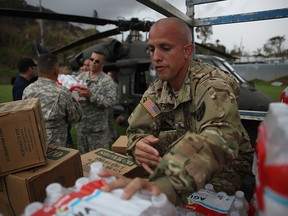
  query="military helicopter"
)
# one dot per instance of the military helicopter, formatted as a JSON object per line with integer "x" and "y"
{"x": 132, "y": 65}
{"x": 130, "y": 60}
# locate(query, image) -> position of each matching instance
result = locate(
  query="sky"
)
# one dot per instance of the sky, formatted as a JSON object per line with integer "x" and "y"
{"x": 249, "y": 35}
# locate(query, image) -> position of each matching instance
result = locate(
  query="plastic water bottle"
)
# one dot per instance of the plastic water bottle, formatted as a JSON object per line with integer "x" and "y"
{"x": 95, "y": 169}
{"x": 160, "y": 207}
{"x": 239, "y": 195}
{"x": 185, "y": 212}
{"x": 32, "y": 208}
{"x": 53, "y": 192}
{"x": 80, "y": 182}
{"x": 221, "y": 195}
{"x": 234, "y": 213}
{"x": 143, "y": 194}
{"x": 209, "y": 187}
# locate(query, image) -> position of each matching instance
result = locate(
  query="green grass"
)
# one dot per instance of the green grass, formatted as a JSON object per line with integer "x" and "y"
{"x": 5, "y": 93}
{"x": 273, "y": 91}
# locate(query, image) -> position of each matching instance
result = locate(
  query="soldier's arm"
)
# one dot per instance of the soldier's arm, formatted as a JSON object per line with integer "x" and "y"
{"x": 141, "y": 124}
{"x": 71, "y": 106}
{"x": 106, "y": 96}
{"x": 196, "y": 157}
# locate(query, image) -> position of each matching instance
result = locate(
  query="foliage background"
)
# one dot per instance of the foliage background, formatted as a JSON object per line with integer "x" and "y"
{"x": 20, "y": 36}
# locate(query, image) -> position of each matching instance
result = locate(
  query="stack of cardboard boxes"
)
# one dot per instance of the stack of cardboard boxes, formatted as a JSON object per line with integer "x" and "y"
{"x": 27, "y": 164}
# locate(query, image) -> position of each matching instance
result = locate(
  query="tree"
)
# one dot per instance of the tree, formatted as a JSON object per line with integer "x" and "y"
{"x": 237, "y": 51}
{"x": 204, "y": 33}
{"x": 274, "y": 46}
{"x": 95, "y": 14}
{"x": 258, "y": 51}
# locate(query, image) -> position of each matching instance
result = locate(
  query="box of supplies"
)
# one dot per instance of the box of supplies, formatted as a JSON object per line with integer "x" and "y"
{"x": 120, "y": 145}
{"x": 5, "y": 206}
{"x": 112, "y": 161}
{"x": 63, "y": 166}
{"x": 23, "y": 139}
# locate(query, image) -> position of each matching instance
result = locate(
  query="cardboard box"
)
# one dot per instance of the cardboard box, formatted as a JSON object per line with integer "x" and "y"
{"x": 120, "y": 145}
{"x": 111, "y": 161}
{"x": 5, "y": 207}
{"x": 23, "y": 139}
{"x": 63, "y": 166}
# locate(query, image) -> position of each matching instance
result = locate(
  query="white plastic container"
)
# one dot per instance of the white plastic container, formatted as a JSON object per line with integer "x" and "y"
{"x": 53, "y": 192}
{"x": 239, "y": 195}
{"x": 95, "y": 169}
{"x": 32, "y": 208}
{"x": 209, "y": 187}
{"x": 160, "y": 207}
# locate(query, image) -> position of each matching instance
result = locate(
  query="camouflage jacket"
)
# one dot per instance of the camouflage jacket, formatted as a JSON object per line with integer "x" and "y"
{"x": 58, "y": 106}
{"x": 95, "y": 109}
{"x": 201, "y": 135}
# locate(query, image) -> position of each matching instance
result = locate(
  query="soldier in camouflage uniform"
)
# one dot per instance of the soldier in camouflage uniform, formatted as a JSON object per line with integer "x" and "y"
{"x": 59, "y": 108}
{"x": 99, "y": 95}
{"x": 186, "y": 130}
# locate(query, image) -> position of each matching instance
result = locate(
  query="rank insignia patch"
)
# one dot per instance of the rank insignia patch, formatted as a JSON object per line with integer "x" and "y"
{"x": 151, "y": 107}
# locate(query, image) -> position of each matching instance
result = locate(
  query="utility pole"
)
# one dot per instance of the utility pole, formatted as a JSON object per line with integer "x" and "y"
{"x": 41, "y": 26}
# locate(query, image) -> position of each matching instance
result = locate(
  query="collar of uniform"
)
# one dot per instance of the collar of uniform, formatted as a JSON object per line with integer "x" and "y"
{"x": 44, "y": 79}
{"x": 168, "y": 100}
{"x": 86, "y": 76}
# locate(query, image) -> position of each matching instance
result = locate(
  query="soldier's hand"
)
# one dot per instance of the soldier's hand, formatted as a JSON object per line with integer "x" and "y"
{"x": 85, "y": 92}
{"x": 130, "y": 186}
{"x": 145, "y": 152}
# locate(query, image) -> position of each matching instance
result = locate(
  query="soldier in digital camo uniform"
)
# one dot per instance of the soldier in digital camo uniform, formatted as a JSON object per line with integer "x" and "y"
{"x": 186, "y": 131}
{"x": 58, "y": 106}
{"x": 96, "y": 98}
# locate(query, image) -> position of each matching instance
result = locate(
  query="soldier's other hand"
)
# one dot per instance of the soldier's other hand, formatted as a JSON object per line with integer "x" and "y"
{"x": 85, "y": 92}
{"x": 145, "y": 152}
{"x": 130, "y": 186}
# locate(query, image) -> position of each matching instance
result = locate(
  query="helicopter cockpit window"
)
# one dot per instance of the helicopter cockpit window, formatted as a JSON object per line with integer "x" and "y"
{"x": 142, "y": 78}
{"x": 140, "y": 84}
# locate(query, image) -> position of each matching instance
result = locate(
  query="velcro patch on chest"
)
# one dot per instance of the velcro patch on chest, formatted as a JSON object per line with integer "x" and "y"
{"x": 151, "y": 107}
{"x": 200, "y": 112}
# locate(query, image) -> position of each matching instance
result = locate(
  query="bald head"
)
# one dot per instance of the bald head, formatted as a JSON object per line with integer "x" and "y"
{"x": 170, "y": 49}
{"x": 174, "y": 26}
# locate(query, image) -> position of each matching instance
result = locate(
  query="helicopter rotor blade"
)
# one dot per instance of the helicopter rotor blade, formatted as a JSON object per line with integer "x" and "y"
{"x": 88, "y": 39}
{"x": 122, "y": 25}
{"x": 55, "y": 16}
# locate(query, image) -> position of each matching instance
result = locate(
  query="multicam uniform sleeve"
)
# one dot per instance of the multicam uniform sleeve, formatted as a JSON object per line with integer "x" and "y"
{"x": 196, "y": 157}
{"x": 141, "y": 124}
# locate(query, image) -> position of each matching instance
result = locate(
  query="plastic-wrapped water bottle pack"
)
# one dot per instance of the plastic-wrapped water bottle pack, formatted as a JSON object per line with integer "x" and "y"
{"x": 210, "y": 203}
{"x": 86, "y": 198}
{"x": 272, "y": 162}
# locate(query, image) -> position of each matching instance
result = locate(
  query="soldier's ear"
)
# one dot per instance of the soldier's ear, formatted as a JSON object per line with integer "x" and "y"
{"x": 188, "y": 50}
